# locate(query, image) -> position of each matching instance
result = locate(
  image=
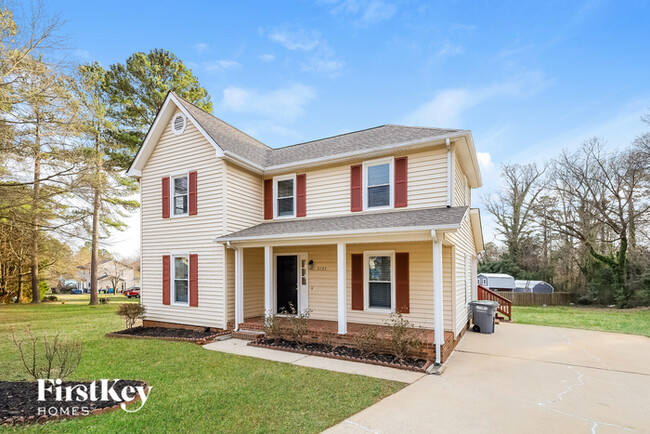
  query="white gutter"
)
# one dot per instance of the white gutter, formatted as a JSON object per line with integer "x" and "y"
{"x": 450, "y": 175}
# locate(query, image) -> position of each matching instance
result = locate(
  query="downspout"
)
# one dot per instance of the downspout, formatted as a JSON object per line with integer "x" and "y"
{"x": 450, "y": 190}
{"x": 438, "y": 300}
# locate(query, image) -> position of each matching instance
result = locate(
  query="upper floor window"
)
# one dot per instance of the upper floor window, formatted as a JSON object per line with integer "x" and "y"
{"x": 378, "y": 183}
{"x": 180, "y": 195}
{"x": 284, "y": 189}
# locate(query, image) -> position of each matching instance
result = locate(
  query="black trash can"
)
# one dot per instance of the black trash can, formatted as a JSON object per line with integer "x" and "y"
{"x": 483, "y": 313}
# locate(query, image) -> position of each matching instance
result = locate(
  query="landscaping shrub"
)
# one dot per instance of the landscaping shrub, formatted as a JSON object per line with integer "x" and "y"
{"x": 50, "y": 298}
{"x": 403, "y": 339}
{"x": 104, "y": 300}
{"x": 47, "y": 358}
{"x": 297, "y": 324}
{"x": 131, "y": 313}
{"x": 367, "y": 341}
{"x": 272, "y": 326}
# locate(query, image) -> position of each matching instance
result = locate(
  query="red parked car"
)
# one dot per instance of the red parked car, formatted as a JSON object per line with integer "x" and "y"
{"x": 132, "y": 292}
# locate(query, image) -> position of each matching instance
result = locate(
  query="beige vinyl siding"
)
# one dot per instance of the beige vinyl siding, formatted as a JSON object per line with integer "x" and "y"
{"x": 461, "y": 186}
{"x": 448, "y": 313}
{"x": 244, "y": 198}
{"x": 464, "y": 244}
{"x": 174, "y": 154}
{"x": 253, "y": 282}
{"x": 328, "y": 188}
{"x": 323, "y": 282}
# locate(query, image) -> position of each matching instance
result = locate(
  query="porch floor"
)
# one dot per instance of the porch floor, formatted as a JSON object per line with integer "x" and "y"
{"x": 317, "y": 326}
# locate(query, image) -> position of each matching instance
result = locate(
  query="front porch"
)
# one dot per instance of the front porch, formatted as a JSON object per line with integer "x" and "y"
{"x": 347, "y": 285}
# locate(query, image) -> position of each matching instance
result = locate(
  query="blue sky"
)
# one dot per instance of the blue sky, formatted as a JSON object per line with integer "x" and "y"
{"x": 528, "y": 78}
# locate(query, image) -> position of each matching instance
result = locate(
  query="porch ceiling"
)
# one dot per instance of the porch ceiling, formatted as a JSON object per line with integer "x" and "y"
{"x": 380, "y": 223}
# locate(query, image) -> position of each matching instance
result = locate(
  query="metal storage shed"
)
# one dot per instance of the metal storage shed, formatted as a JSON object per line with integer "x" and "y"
{"x": 497, "y": 281}
{"x": 534, "y": 286}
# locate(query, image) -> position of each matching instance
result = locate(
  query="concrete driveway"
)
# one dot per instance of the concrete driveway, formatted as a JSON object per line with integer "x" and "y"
{"x": 526, "y": 379}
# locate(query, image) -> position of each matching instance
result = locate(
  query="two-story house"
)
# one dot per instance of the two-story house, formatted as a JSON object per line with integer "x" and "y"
{"x": 352, "y": 227}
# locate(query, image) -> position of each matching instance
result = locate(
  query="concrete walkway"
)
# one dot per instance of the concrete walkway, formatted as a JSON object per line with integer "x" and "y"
{"x": 524, "y": 379}
{"x": 240, "y": 347}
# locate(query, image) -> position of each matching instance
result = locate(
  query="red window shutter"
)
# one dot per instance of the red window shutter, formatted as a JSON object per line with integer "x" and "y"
{"x": 194, "y": 280}
{"x": 301, "y": 195}
{"x": 165, "y": 198}
{"x": 192, "y": 195}
{"x": 355, "y": 188}
{"x": 357, "y": 281}
{"x": 268, "y": 199}
{"x": 402, "y": 282}
{"x": 166, "y": 278}
{"x": 401, "y": 175}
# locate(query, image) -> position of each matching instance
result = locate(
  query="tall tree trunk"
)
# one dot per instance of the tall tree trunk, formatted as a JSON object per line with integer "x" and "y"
{"x": 94, "y": 260}
{"x": 20, "y": 283}
{"x": 36, "y": 291}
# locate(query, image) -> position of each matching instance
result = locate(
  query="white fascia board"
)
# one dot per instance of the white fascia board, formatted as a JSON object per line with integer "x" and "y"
{"x": 156, "y": 130}
{"x": 477, "y": 229}
{"x": 363, "y": 152}
{"x": 469, "y": 159}
{"x": 397, "y": 230}
{"x": 243, "y": 161}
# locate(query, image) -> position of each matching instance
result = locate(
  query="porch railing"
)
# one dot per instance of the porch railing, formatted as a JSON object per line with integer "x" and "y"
{"x": 505, "y": 305}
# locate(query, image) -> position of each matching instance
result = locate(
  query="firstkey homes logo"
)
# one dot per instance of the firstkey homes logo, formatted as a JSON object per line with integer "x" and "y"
{"x": 105, "y": 391}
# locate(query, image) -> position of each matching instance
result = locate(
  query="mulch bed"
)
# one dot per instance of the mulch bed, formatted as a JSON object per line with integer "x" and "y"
{"x": 19, "y": 402}
{"x": 344, "y": 353}
{"x": 168, "y": 333}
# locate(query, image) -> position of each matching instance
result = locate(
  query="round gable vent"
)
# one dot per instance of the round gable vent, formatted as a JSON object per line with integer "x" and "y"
{"x": 179, "y": 123}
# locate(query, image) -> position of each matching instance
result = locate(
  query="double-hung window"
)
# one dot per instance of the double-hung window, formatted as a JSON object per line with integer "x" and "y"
{"x": 181, "y": 280}
{"x": 378, "y": 184}
{"x": 380, "y": 280}
{"x": 284, "y": 189}
{"x": 180, "y": 195}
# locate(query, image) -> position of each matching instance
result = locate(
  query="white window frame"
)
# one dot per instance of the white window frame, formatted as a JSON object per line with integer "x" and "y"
{"x": 172, "y": 193}
{"x": 172, "y": 275}
{"x": 366, "y": 280}
{"x": 391, "y": 182}
{"x": 276, "y": 179}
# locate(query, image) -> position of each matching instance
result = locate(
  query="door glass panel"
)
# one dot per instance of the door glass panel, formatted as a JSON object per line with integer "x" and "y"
{"x": 287, "y": 283}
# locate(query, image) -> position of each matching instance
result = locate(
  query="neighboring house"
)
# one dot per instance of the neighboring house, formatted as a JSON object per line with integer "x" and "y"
{"x": 351, "y": 227}
{"x": 109, "y": 273}
{"x": 497, "y": 281}
{"x": 534, "y": 286}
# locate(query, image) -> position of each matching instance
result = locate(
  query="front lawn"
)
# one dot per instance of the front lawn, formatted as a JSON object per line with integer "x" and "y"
{"x": 194, "y": 390}
{"x": 630, "y": 321}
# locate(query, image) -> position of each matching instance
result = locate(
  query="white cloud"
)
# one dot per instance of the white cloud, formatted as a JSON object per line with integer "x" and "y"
{"x": 284, "y": 104}
{"x": 323, "y": 65}
{"x": 266, "y": 57}
{"x": 448, "y": 105}
{"x": 485, "y": 161}
{"x": 220, "y": 65}
{"x": 297, "y": 39}
{"x": 201, "y": 47}
{"x": 448, "y": 49}
{"x": 363, "y": 12}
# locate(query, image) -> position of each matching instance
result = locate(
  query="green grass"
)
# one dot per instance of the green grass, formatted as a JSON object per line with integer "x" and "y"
{"x": 194, "y": 390}
{"x": 630, "y": 321}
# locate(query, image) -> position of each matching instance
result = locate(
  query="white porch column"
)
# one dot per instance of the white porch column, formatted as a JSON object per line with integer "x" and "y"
{"x": 239, "y": 287}
{"x": 268, "y": 280}
{"x": 439, "y": 325}
{"x": 341, "y": 263}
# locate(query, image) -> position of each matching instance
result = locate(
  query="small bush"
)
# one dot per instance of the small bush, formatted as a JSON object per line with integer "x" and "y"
{"x": 50, "y": 298}
{"x": 131, "y": 312}
{"x": 47, "y": 358}
{"x": 402, "y": 337}
{"x": 367, "y": 341}
{"x": 297, "y": 324}
{"x": 104, "y": 300}
{"x": 272, "y": 326}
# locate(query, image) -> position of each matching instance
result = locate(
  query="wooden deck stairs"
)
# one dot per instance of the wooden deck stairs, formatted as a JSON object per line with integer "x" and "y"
{"x": 505, "y": 305}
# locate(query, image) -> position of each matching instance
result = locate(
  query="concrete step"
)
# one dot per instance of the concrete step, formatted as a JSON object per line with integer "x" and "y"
{"x": 250, "y": 335}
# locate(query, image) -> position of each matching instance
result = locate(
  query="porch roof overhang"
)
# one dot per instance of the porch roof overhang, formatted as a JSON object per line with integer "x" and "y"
{"x": 404, "y": 225}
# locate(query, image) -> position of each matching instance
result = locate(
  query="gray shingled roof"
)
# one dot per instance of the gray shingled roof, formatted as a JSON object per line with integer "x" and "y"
{"x": 426, "y": 217}
{"x": 231, "y": 139}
